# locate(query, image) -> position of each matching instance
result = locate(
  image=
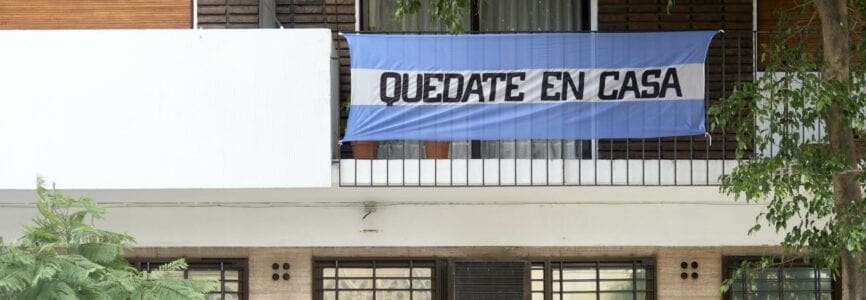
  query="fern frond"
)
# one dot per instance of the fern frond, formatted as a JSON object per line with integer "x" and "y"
{"x": 100, "y": 253}
{"x": 176, "y": 265}
{"x": 60, "y": 256}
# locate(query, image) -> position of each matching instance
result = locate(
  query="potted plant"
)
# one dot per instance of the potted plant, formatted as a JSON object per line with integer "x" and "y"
{"x": 365, "y": 149}
{"x": 436, "y": 149}
{"x": 360, "y": 149}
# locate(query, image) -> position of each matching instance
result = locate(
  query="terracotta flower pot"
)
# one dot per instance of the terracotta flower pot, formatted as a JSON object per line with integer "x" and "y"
{"x": 365, "y": 149}
{"x": 436, "y": 149}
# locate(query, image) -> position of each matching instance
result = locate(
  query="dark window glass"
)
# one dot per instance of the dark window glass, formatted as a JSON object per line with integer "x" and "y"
{"x": 378, "y": 15}
{"x": 489, "y": 15}
{"x": 231, "y": 274}
{"x": 530, "y": 15}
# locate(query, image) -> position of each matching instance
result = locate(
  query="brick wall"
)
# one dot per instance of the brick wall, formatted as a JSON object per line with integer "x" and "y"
{"x": 735, "y": 63}
{"x": 669, "y": 285}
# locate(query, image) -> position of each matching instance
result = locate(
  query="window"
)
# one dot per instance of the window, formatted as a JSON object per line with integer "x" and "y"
{"x": 487, "y": 16}
{"x": 792, "y": 281}
{"x": 230, "y": 273}
{"x": 484, "y": 16}
{"x": 375, "y": 279}
{"x": 599, "y": 280}
{"x": 359, "y": 279}
{"x": 378, "y": 15}
{"x": 535, "y": 15}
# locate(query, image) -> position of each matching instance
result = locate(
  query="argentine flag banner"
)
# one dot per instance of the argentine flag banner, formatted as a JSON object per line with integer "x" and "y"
{"x": 576, "y": 86}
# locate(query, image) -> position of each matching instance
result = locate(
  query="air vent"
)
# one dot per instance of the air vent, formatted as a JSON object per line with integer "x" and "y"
{"x": 489, "y": 280}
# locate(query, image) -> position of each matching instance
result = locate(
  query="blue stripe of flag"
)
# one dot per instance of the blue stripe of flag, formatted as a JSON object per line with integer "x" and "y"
{"x": 527, "y": 51}
{"x": 564, "y": 120}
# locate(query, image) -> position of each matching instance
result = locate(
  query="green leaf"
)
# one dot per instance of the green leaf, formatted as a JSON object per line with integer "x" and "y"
{"x": 61, "y": 256}
{"x": 101, "y": 253}
{"x": 789, "y": 163}
{"x": 755, "y": 228}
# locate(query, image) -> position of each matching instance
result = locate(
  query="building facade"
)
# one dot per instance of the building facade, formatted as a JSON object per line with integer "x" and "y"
{"x": 222, "y": 147}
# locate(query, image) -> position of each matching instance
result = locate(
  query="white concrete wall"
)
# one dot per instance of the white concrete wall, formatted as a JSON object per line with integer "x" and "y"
{"x": 467, "y": 216}
{"x": 152, "y": 109}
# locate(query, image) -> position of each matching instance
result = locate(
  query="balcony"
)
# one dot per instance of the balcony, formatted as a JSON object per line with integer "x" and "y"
{"x": 222, "y": 109}
{"x": 669, "y": 161}
{"x": 694, "y": 168}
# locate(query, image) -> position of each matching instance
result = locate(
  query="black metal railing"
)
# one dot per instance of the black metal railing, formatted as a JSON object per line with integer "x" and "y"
{"x": 696, "y": 160}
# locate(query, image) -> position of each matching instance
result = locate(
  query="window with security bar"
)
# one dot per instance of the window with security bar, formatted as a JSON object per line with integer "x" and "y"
{"x": 375, "y": 279}
{"x": 595, "y": 280}
{"x": 486, "y": 16}
{"x": 791, "y": 281}
{"x": 230, "y": 274}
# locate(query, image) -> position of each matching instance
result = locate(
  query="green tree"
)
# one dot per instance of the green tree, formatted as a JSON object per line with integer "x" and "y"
{"x": 812, "y": 185}
{"x": 61, "y": 256}
{"x": 449, "y": 13}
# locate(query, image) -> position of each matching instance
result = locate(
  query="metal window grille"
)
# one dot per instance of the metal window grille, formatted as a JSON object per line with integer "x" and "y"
{"x": 231, "y": 275}
{"x": 375, "y": 279}
{"x": 788, "y": 281}
{"x": 560, "y": 280}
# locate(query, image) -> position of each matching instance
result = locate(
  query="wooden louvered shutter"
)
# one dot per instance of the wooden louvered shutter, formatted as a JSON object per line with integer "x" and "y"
{"x": 228, "y": 13}
{"x": 337, "y": 15}
{"x": 735, "y": 16}
{"x": 490, "y": 280}
{"x": 95, "y": 14}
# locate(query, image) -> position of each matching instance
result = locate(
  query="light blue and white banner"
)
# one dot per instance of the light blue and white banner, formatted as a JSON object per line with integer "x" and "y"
{"x": 527, "y": 86}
